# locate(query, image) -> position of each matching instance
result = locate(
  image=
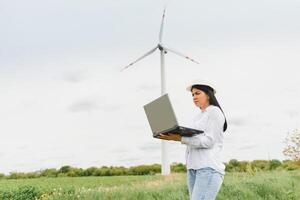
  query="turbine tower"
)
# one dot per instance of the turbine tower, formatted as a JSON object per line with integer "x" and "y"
{"x": 165, "y": 166}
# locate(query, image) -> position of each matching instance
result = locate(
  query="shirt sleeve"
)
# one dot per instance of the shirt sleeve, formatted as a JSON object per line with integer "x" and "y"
{"x": 207, "y": 139}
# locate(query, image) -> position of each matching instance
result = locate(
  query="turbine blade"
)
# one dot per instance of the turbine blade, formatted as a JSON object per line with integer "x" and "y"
{"x": 162, "y": 26}
{"x": 180, "y": 54}
{"x": 140, "y": 58}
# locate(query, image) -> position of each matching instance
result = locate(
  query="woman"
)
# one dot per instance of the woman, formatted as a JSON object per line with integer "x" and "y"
{"x": 205, "y": 170}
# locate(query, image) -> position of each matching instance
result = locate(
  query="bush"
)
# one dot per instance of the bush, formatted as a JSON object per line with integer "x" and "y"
{"x": 49, "y": 172}
{"x": 244, "y": 166}
{"x": 90, "y": 171}
{"x": 232, "y": 165}
{"x": 260, "y": 165}
{"x": 274, "y": 164}
{"x": 78, "y": 171}
{"x": 65, "y": 169}
{"x": 16, "y": 175}
{"x": 290, "y": 165}
{"x": 251, "y": 166}
{"x": 178, "y": 167}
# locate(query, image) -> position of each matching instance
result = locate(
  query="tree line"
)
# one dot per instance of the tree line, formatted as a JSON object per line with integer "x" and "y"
{"x": 232, "y": 166}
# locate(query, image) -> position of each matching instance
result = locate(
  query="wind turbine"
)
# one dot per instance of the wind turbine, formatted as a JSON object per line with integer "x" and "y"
{"x": 163, "y": 50}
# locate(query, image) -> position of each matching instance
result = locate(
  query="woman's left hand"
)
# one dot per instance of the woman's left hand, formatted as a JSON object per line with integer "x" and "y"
{"x": 170, "y": 136}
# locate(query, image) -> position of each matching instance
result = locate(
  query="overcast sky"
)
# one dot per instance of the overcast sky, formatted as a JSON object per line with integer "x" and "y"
{"x": 64, "y": 100}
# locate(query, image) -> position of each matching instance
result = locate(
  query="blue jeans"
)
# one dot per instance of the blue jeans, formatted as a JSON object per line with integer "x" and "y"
{"x": 204, "y": 184}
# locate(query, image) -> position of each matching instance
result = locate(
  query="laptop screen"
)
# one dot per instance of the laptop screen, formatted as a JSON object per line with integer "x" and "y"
{"x": 160, "y": 114}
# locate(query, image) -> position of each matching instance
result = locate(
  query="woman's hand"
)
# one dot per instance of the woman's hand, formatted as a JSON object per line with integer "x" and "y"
{"x": 170, "y": 136}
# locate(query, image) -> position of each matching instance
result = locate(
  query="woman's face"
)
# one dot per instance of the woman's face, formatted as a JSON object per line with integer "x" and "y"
{"x": 200, "y": 98}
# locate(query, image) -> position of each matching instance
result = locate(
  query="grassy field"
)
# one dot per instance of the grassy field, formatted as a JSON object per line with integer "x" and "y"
{"x": 261, "y": 185}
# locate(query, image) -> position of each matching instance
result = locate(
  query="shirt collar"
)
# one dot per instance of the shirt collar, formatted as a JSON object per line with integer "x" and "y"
{"x": 206, "y": 109}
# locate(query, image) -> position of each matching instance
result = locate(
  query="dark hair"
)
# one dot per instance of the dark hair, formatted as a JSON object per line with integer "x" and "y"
{"x": 212, "y": 99}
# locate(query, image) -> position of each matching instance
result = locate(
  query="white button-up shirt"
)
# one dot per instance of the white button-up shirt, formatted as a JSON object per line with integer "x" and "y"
{"x": 204, "y": 150}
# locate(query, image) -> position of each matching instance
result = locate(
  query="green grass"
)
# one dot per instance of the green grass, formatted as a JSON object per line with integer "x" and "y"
{"x": 279, "y": 185}
{"x": 263, "y": 185}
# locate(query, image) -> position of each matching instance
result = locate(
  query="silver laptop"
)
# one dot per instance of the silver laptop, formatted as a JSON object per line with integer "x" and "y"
{"x": 162, "y": 119}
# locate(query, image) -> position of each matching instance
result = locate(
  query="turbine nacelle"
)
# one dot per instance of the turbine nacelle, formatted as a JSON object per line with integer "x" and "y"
{"x": 161, "y": 48}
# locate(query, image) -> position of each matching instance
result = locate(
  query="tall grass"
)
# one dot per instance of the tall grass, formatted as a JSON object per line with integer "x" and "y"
{"x": 281, "y": 185}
